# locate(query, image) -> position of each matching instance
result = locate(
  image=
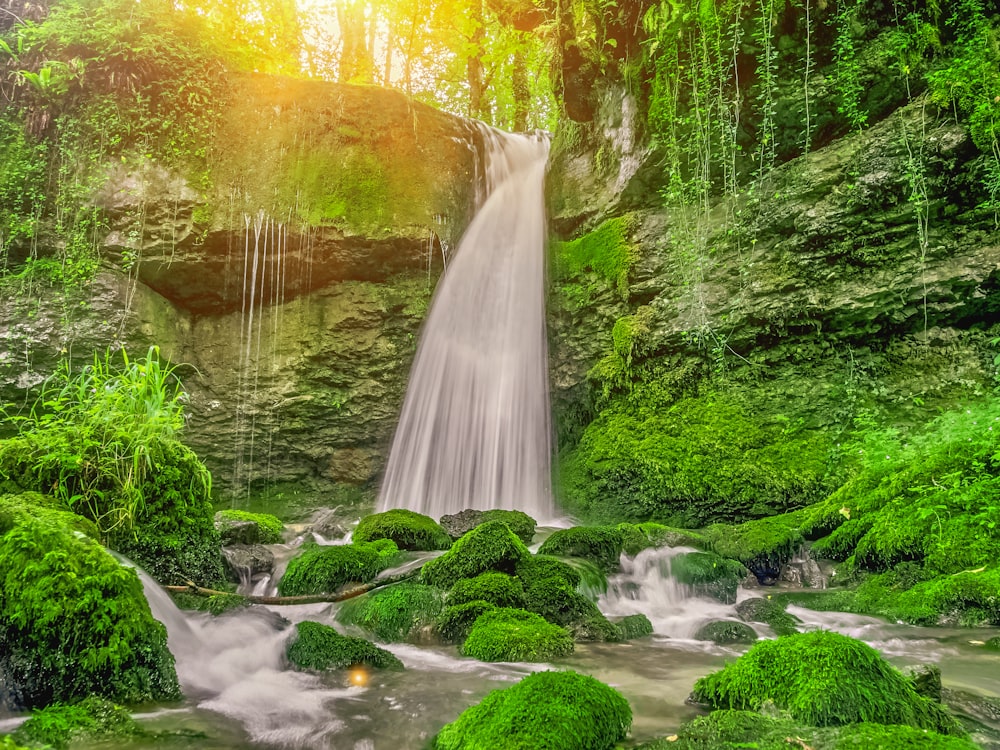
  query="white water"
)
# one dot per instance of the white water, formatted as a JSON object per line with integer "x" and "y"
{"x": 474, "y": 429}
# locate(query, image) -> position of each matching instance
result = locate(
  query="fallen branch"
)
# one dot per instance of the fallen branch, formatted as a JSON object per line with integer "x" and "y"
{"x": 192, "y": 588}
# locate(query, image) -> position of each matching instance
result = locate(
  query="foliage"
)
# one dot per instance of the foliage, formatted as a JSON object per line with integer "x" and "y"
{"x": 321, "y": 569}
{"x": 489, "y": 547}
{"x": 600, "y": 544}
{"x": 105, "y": 441}
{"x": 320, "y": 647}
{"x": 409, "y": 530}
{"x": 73, "y": 622}
{"x": 394, "y": 613}
{"x": 506, "y": 634}
{"x": 92, "y": 718}
{"x": 498, "y": 589}
{"x": 555, "y": 710}
{"x": 708, "y": 574}
{"x": 266, "y": 529}
{"x": 822, "y": 678}
{"x": 455, "y": 621}
{"x": 724, "y": 632}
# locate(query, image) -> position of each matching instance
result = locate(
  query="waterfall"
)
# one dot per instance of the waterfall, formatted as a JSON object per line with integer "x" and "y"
{"x": 474, "y": 429}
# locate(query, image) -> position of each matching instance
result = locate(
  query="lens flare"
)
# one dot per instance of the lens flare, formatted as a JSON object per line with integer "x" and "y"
{"x": 358, "y": 676}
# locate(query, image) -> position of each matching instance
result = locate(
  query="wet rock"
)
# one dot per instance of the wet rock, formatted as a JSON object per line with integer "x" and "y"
{"x": 803, "y": 571}
{"x": 328, "y": 524}
{"x": 758, "y": 609}
{"x": 926, "y": 680}
{"x": 726, "y": 631}
{"x": 246, "y": 563}
{"x": 461, "y": 523}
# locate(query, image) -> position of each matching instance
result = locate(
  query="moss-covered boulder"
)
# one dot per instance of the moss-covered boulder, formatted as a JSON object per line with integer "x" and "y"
{"x": 243, "y": 527}
{"x": 993, "y": 644}
{"x": 461, "y": 523}
{"x": 709, "y": 575}
{"x": 73, "y": 621}
{"x": 561, "y": 604}
{"x": 455, "y": 622}
{"x": 320, "y": 647}
{"x": 322, "y": 569}
{"x": 93, "y": 719}
{"x": 498, "y": 589}
{"x": 600, "y": 544}
{"x": 553, "y": 710}
{"x": 409, "y": 530}
{"x": 516, "y": 635}
{"x": 822, "y": 678}
{"x": 539, "y": 567}
{"x": 724, "y": 632}
{"x": 634, "y": 626}
{"x": 489, "y": 547}
{"x": 394, "y": 613}
{"x": 769, "y": 612}
{"x": 762, "y": 545}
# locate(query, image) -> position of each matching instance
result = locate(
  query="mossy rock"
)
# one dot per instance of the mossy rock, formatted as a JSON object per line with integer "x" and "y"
{"x": 459, "y": 524}
{"x": 320, "y": 647}
{"x": 217, "y": 604}
{"x": 92, "y": 719}
{"x": 552, "y": 710}
{"x": 322, "y": 569}
{"x": 599, "y": 544}
{"x": 709, "y": 575}
{"x": 489, "y": 547}
{"x": 455, "y": 622}
{"x": 557, "y": 602}
{"x": 763, "y": 545}
{"x": 499, "y": 589}
{"x": 8, "y": 743}
{"x": 634, "y": 626}
{"x": 740, "y": 730}
{"x": 516, "y": 635}
{"x": 769, "y": 612}
{"x": 724, "y": 632}
{"x": 993, "y": 644}
{"x": 243, "y": 527}
{"x": 409, "y": 530}
{"x": 73, "y": 621}
{"x": 394, "y": 613}
{"x": 539, "y": 567}
{"x": 822, "y": 678}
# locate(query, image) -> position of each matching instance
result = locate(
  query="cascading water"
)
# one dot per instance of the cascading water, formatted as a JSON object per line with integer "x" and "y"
{"x": 474, "y": 430}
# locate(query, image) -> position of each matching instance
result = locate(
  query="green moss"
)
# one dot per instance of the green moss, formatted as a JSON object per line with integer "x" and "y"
{"x": 324, "y": 569}
{"x": 489, "y": 547}
{"x": 554, "y": 710}
{"x": 561, "y": 604}
{"x": 600, "y": 544}
{"x": 822, "y": 678}
{"x": 769, "y": 612}
{"x": 634, "y": 626}
{"x": 607, "y": 251}
{"x": 725, "y": 632}
{"x": 395, "y": 612}
{"x": 516, "y": 635}
{"x": 91, "y": 719}
{"x": 882, "y": 737}
{"x": 538, "y": 567}
{"x": 499, "y": 589}
{"x": 409, "y": 530}
{"x": 7, "y": 743}
{"x": 763, "y": 545}
{"x": 266, "y": 528}
{"x": 993, "y": 644}
{"x": 709, "y": 575}
{"x": 73, "y": 622}
{"x": 320, "y": 647}
{"x": 517, "y": 521}
{"x": 455, "y": 622}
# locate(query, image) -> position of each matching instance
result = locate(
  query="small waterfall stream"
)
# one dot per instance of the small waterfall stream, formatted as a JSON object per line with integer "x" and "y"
{"x": 474, "y": 429}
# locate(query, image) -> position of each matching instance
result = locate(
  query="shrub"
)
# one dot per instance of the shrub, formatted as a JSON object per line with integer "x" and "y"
{"x": 409, "y": 530}
{"x": 243, "y": 527}
{"x": 552, "y": 710}
{"x": 489, "y": 547}
{"x": 498, "y": 589}
{"x": 822, "y": 678}
{"x": 634, "y": 626}
{"x": 73, "y": 622}
{"x": 455, "y": 622}
{"x": 394, "y": 613}
{"x": 324, "y": 569}
{"x": 600, "y": 544}
{"x": 320, "y": 647}
{"x": 92, "y": 718}
{"x": 516, "y": 635}
{"x": 709, "y": 575}
{"x": 725, "y": 631}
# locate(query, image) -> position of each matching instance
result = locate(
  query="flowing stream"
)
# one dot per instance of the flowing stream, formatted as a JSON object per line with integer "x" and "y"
{"x": 474, "y": 429}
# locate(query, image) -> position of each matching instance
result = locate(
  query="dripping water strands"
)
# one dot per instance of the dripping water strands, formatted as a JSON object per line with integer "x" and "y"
{"x": 474, "y": 428}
